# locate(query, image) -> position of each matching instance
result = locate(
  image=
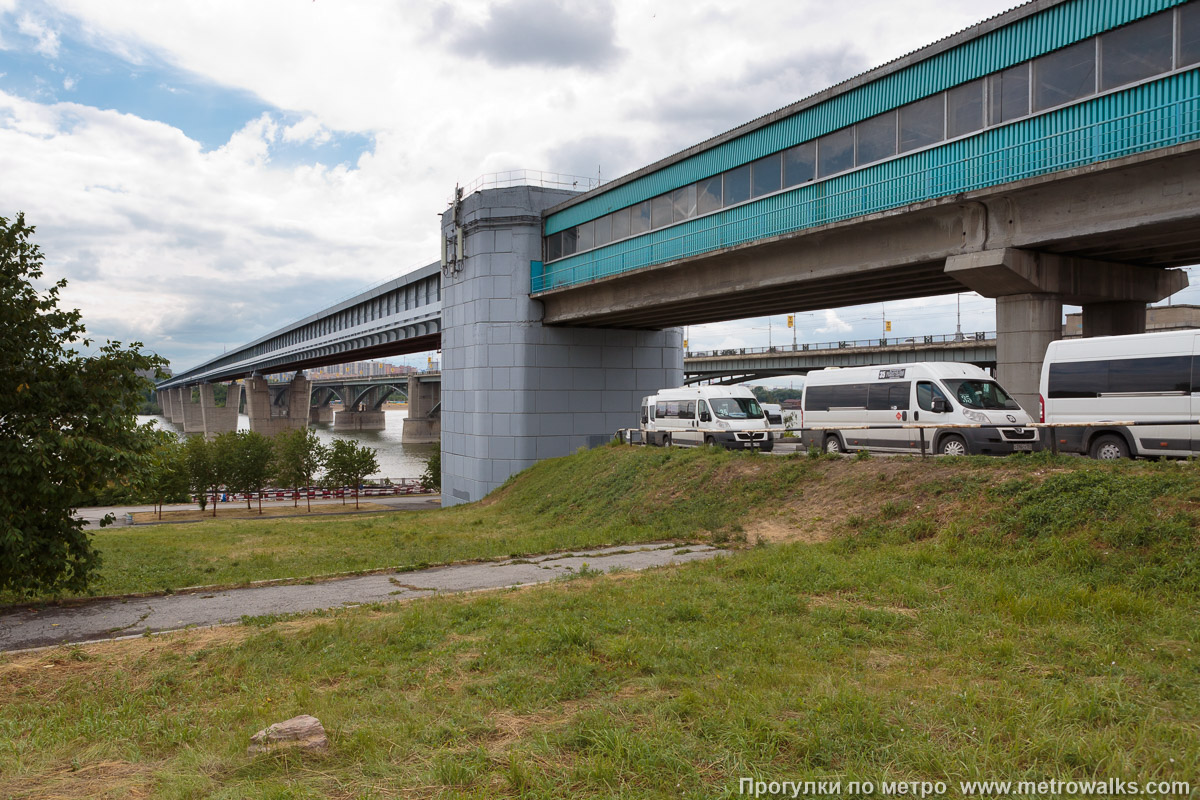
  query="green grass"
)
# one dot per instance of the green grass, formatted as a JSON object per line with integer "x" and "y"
{"x": 1033, "y": 619}
{"x": 612, "y": 495}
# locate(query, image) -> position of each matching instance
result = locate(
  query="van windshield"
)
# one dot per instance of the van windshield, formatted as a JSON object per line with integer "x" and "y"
{"x": 981, "y": 394}
{"x": 736, "y": 408}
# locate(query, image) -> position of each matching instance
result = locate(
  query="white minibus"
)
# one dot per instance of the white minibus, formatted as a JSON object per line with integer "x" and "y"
{"x": 1105, "y": 380}
{"x": 892, "y": 395}
{"x": 696, "y": 415}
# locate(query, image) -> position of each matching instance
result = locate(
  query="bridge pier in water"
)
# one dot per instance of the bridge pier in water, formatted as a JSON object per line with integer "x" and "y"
{"x": 514, "y": 391}
{"x": 423, "y": 425}
{"x": 283, "y": 410}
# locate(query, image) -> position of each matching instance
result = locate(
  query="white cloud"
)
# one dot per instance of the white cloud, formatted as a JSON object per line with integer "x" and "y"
{"x": 834, "y": 323}
{"x": 47, "y": 38}
{"x": 308, "y": 129}
{"x": 69, "y": 83}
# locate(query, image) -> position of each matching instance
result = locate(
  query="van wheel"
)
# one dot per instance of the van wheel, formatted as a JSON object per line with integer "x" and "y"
{"x": 666, "y": 440}
{"x": 1109, "y": 448}
{"x": 953, "y": 446}
{"x": 833, "y": 444}
{"x": 710, "y": 440}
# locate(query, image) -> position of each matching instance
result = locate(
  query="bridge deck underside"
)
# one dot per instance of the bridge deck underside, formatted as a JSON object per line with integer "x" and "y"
{"x": 1143, "y": 210}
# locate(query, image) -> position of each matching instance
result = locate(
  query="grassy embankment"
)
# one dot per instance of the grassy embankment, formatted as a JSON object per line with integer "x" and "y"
{"x": 959, "y": 619}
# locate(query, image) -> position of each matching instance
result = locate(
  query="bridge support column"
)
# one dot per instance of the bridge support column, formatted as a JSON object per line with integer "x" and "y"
{"x": 193, "y": 414}
{"x": 1031, "y": 287}
{"x": 1114, "y": 319}
{"x": 289, "y": 412}
{"x": 423, "y": 425}
{"x": 1026, "y": 324}
{"x": 171, "y": 406}
{"x": 219, "y": 419}
{"x": 356, "y": 420}
{"x": 320, "y": 415}
{"x": 515, "y": 391}
{"x": 363, "y": 411}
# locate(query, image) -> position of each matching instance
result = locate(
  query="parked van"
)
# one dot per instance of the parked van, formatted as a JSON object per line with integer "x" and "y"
{"x": 1106, "y": 380}
{"x": 942, "y": 393}
{"x": 774, "y": 413}
{"x": 696, "y": 415}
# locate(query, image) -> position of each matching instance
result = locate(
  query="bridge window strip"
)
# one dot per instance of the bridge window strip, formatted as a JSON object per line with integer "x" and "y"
{"x": 1151, "y": 47}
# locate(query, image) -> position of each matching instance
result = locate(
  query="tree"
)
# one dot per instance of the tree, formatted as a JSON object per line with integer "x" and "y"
{"x": 431, "y": 478}
{"x": 199, "y": 458}
{"x": 67, "y": 424}
{"x": 299, "y": 456}
{"x": 246, "y": 457}
{"x": 349, "y": 463}
{"x": 169, "y": 479}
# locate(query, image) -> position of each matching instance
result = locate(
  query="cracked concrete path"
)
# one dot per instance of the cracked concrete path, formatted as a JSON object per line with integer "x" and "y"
{"x": 100, "y": 620}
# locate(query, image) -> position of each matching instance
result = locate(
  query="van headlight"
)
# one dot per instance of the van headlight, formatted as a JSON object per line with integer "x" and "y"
{"x": 975, "y": 416}
{"x": 723, "y": 425}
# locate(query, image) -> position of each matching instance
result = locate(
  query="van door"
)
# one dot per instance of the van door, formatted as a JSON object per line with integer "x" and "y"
{"x": 688, "y": 423}
{"x": 927, "y": 392}
{"x": 888, "y": 407}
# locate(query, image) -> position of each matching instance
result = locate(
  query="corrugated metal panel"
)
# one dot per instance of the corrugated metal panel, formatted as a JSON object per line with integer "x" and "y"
{"x": 1027, "y": 38}
{"x": 1156, "y": 114}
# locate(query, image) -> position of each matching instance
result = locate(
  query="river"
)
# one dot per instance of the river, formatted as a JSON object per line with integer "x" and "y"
{"x": 396, "y": 460}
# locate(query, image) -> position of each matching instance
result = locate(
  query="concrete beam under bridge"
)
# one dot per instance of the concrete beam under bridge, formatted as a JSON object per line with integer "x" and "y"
{"x": 1031, "y": 287}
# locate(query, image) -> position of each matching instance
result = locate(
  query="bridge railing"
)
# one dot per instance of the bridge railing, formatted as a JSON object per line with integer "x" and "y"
{"x": 987, "y": 159}
{"x": 846, "y": 344}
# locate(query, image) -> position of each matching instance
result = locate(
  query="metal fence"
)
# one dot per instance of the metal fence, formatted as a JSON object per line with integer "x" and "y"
{"x": 847, "y": 344}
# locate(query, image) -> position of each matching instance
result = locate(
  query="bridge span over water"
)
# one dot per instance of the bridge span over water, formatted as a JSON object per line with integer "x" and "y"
{"x": 1048, "y": 155}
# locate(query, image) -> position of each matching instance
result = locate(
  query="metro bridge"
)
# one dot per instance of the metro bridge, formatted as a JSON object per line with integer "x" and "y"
{"x": 1048, "y": 155}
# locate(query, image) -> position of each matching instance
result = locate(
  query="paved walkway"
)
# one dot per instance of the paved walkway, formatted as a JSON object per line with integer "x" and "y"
{"x": 99, "y": 620}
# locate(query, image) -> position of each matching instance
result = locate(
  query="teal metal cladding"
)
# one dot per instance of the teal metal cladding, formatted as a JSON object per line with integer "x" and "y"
{"x": 1156, "y": 114}
{"x": 1019, "y": 41}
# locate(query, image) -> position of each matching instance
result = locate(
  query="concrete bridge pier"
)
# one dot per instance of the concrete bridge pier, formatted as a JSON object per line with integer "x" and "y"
{"x": 172, "y": 407}
{"x": 288, "y": 410}
{"x": 320, "y": 412}
{"x": 423, "y": 425}
{"x": 219, "y": 419}
{"x": 1031, "y": 288}
{"x": 515, "y": 391}
{"x": 363, "y": 411}
{"x": 193, "y": 414}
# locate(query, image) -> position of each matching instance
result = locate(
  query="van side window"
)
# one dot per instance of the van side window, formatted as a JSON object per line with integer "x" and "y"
{"x": 690, "y": 412}
{"x": 702, "y": 409}
{"x": 661, "y": 409}
{"x": 1163, "y": 374}
{"x": 888, "y": 396}
{"x": 926, "y": 392}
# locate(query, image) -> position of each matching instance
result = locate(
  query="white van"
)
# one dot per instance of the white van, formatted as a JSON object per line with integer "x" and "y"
{"x": 696, "y": 415}
{"x": 940, "y": 393}
{"x": 1145, "y": 377}
{"x": 774, "y": 413}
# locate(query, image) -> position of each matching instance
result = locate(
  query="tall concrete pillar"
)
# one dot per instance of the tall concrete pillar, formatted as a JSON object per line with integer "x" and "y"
{"x": 1026, "y": 324}
{"x": 1031, "y": 287}
{"x": 269, "y": 417}
{"x": 219, "y": 419}
{"x": 193, "y": 414}
{"x": 173, "y": 409}
{"x": 1114, "y": 318}
{"x": 424, "y": 421}
{"x": 513, "y": 390}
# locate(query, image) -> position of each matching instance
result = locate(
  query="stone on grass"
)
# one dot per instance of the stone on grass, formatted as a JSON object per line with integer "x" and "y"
{"x": 298, "y": 733}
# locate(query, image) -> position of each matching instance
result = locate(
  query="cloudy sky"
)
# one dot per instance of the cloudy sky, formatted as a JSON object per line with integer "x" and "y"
{"x": 205, "y": 172}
